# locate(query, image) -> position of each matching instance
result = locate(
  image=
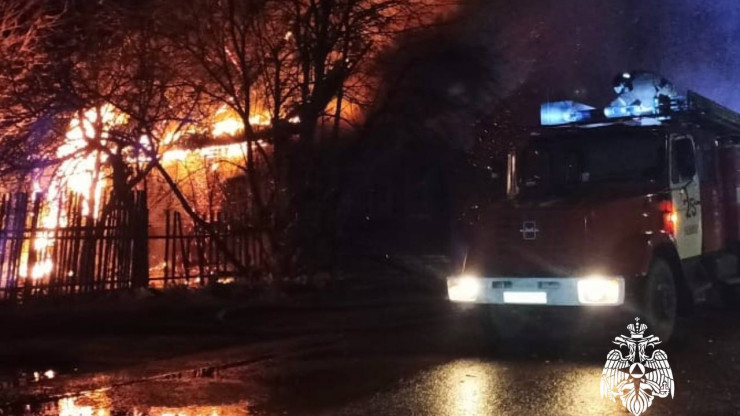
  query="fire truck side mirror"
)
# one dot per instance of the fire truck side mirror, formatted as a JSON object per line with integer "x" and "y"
{"x": 511, "y": 181}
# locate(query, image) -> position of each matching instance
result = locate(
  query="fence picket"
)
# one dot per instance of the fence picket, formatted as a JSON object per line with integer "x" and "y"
{"x": 92, "y": 252}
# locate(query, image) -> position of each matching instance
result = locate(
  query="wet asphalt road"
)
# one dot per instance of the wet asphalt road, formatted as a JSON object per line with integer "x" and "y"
{"x": 429, "y": 359}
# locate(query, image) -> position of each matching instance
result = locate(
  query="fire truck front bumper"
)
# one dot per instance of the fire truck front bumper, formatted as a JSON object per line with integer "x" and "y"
{"x": 552, "y": 291}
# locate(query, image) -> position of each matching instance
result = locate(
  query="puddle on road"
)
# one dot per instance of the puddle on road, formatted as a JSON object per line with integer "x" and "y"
{"x": 100, "y": 404}
{"x": 458, "y": 387}
{"x": 201, "y": 391}
{"x": 161, "y": 396}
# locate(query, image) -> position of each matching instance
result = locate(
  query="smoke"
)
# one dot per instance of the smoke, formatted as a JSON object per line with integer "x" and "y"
{"x": 571, "y": 49}
{"x": 499, "y": 59}
{"x": 698, "y": 47}
{"x": 551, "y": 50}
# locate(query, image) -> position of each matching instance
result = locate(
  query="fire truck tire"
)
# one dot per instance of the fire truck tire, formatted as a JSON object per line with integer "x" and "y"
{"x": 661, "y": 300}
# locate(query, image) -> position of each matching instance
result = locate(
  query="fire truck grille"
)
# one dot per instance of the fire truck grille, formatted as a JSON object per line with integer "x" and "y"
{"x": 522, "y": 247}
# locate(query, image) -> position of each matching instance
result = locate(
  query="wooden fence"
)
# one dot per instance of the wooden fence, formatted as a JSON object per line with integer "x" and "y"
{"x": 190, "y": 254}
{"x": 59, "y": 248}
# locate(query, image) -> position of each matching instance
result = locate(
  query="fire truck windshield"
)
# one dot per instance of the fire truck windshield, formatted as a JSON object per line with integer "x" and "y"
{"x": 558, "y": 164}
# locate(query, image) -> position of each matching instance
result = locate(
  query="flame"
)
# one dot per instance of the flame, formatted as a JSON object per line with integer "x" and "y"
{"x": 82, "y": 170}
{"x": 80, "y": 173}
{"x": 226, "y": 122}
{"x": 229, "y": 151}
{"x": 227, "y": 127}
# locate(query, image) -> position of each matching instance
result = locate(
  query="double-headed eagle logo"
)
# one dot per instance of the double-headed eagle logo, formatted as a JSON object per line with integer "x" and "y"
{"x": 636, "y": 378}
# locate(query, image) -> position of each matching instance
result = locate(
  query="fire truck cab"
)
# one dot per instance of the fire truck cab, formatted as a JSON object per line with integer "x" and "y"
{"x": 635, "y": 206}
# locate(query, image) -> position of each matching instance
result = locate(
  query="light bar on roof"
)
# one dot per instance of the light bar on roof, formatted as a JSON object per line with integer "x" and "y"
{"x": 658, "y": 108}
{"x": 629, "y": 111}
{"x": 564, "y": 112}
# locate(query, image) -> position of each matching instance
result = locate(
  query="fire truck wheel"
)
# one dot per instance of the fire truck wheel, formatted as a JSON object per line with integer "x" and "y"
{"x": 661, "y": 301}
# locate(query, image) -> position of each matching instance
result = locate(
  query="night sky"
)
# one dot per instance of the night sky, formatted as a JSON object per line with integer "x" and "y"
{"x": 571, "y": 49}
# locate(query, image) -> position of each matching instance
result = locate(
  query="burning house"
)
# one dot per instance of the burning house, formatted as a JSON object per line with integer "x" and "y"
{"x": 179, "y": 141}
{"x": 68, "y": 228}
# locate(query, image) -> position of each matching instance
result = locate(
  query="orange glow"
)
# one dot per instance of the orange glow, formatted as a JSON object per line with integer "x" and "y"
{"x": 81, "y": 172}
{"x": 229, "y": 151}
{"x": 350, "y": 112}
{"x": 83, "y": 169}
{"x": 671, "y": 222}
{"x": 226, "y": 122}
{"x": 99, "y": 404}
{"x": 222, "y": 410}
{"x": 227, "y": 127}
{"x": 670, "y": 218}
{"x": 93, "y": 404}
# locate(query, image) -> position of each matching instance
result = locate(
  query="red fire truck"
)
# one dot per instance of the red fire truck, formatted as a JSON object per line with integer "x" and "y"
{"x": 635, "y": 206}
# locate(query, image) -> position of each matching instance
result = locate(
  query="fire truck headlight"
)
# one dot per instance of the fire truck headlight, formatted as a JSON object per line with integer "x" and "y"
{"x": 464, "y": 288}
{"x": 599, "y": 290}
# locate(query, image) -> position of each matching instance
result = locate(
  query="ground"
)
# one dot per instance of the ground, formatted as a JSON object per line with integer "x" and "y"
{"x": 410, "y": 355}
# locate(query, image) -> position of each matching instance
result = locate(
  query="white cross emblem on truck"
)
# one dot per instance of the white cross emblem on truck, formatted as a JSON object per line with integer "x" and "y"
{"x": 529, "y": 230}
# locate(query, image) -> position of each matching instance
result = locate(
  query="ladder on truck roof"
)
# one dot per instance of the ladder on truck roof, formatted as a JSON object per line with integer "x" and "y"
{"x": 709, "y": 110}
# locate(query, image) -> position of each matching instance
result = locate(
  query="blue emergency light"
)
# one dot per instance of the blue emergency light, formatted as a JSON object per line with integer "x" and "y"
{"x": 629, "y": 111}
{"x": 644, "y": 97}
{"x": 561, "y": 113}
{"x": 564, "y": 112}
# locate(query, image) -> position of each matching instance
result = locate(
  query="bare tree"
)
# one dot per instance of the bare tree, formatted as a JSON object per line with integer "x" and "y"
{"x": 299, "y": 62}
{"x": 26, "y": 117}
{"x": 288, "y": 70}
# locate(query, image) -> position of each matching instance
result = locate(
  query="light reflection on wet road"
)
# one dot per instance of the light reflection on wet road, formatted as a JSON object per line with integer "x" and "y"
{"x": 477, "y": 388}
{"x": 100, "y": 404}
{"x": 436, "y": 368}
{"x": 470, "y": 387}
